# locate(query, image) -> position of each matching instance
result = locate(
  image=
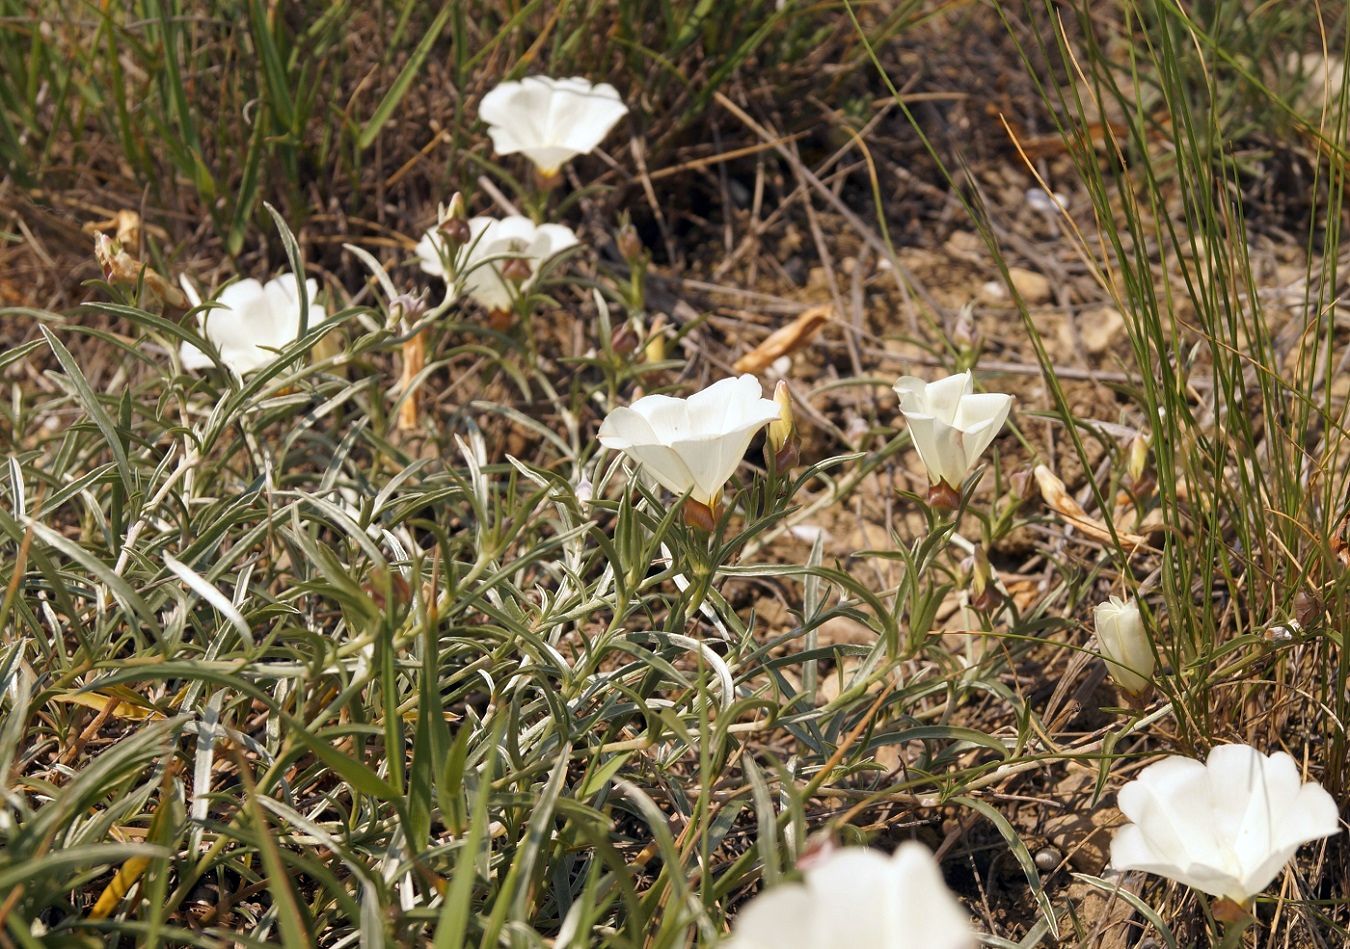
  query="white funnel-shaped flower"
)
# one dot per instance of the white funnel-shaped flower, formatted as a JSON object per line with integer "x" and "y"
{"x": 857, "y": 898}
{"x": 252, "y": 321}
{"x": 1225, "y": 826}
{"x": 492, "y": 243}
{"x": 550, "y": 121}
{"x": 950, "y": 423}
{"x": 691, "y": 445}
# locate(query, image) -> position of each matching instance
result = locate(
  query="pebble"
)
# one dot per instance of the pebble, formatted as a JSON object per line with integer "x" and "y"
{"x": 1101, "y": 329}
{"x": 1033, "y": 287}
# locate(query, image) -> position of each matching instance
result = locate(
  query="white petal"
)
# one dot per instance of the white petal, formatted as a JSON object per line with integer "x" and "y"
{"x": 284, "y": 310}
{"x": 193, "y": 358}
{"x": 512, "y": 229}
{"x": 582, "y": 115}
{"x": 853, "y": 892}
{"x": 938, "y": 449}
{"x": 625, "y": 427}
{"x": 549, "y": 158}
{"x": 497, "y": 106}
{"x": 668, "y": 417}
{"x": 927, "y": 914}
{"x": 1170, "y": 803}
{"x": 780, "y": 918}
{"x": 668, "y": 467}
{"x": 711, "y": 461}
{"x": 550, "y": 240}
{"x": 911, "y": 390}
{"x": 981, "y": 417}
{"x": 241, "y": 294}
{"x": 943, "y": 397}
{"x": 429, "y": 255}
{"x": 632, "y": 433}
{"x": 730, "y": 404}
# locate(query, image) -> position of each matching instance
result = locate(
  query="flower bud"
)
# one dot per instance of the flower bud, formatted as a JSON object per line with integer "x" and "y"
{"x": 623, "y": 340}
{"x": 1137, "y": 458}
{"x": 1308, "y": 608}
{"x": 407, "y": 307}
{"x": 654, "y": 349}
{"x": 453, "y": 222}
{"x": 782, "y": 428}
{"x": 584, "y": 490}
{"x": 1022, "y": 485}
{"x": 966, "y": 338}
{"x": 1124, "y": 644}
{"x": 630, "y": 245}
{"x": 456, "y": 232}
{"x": 452, "y": 211}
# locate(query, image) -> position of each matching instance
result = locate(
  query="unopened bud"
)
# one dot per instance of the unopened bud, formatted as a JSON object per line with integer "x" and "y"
{"x": 456, "y": 232}
{"x": 984, "y": 594}
{"x": 453, "y": 222}
{"x": 988, "y": 601}
{"x": 584, "y": 490}
{"x": 980, "y": 572}
{"x": 398, "y": 589}
{"x": 407, "y": 307}
{"x": 782, "y": 428}
{"x": 106, "y": 251}
{"x": 1124, "y": 644}
{"x": 623, "y": 340}
{"x": 630, "y": 245}
{"x": 454, "y": 211}
{"x": 1307, "y": 609}
{"x": 654, "y": 350}
{"x": 1137, "y": 459}
{"x": 963, "y": 335}
{"x": 1022, "y": 485}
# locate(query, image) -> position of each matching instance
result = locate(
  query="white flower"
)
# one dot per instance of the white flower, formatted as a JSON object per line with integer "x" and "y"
{"x": 252, "y": 321}
{"x": 1224, "y": 827}
{"x": 692, "y": 444}
{"x": 1124, "y": 644}
{"x": 492, "y": 243}
{"x": 855, "y": 898}
{"x": 550, "y": 121}
{"x": 951, "y": 424}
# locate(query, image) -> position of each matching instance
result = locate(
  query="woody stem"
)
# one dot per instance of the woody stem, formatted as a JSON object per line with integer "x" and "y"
{"x": 414, "y": 358}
